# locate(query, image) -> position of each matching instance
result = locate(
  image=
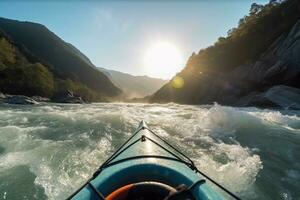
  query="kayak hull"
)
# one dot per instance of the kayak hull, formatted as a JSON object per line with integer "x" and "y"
{"x": 130, "y": 167}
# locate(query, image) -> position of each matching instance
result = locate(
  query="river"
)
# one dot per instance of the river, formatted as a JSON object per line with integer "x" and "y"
{"x": 48, "y": 151}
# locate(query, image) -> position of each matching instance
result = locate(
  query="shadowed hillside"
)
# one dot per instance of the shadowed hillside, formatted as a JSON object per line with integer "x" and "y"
{"x": 132, "y": 86}
{"x": 34, "y": 43}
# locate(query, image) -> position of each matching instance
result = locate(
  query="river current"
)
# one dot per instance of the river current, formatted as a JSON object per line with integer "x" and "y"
{"x": 48, "y": 151}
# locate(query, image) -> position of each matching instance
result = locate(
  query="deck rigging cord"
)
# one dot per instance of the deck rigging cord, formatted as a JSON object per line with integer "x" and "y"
{"x": 109, "y": 162}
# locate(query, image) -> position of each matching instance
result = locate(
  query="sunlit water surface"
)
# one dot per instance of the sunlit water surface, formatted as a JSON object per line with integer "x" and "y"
{"x": 48, "y": 151}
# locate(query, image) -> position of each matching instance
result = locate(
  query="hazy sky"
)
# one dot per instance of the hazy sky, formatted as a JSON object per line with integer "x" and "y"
{"x": 116, "y": 34}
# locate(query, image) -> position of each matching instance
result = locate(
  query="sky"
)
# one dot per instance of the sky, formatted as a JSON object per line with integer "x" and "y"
{"x": 117, "y": 34}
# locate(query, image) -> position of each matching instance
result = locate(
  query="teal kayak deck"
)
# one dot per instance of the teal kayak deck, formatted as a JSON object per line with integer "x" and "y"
{"x": 146, "y": 158}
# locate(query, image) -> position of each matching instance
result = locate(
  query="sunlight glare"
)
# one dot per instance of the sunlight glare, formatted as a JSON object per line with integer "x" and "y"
{"x": 163, "y": 60}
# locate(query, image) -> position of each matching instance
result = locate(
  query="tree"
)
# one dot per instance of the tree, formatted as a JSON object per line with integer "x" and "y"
{"x": 256, "y": 8}
{"x": 31, "y": 79}
{"x": 230, "y": 31}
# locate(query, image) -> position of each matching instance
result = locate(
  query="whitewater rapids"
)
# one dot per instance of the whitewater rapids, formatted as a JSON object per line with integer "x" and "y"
{"x": 48, "y": 151}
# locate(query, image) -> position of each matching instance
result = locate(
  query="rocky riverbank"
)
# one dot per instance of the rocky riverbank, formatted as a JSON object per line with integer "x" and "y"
{"x": 17, "y": 99}
{"x": 66, "y": 97}
{"x": 272, "y": 80}
{"x": 279, "y": 96}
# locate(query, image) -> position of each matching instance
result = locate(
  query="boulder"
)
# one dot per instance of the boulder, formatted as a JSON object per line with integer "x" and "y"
{"x": 265, "y": 82}
{"x": 40, "y": 99}
{"x": 289, "y": 50}
{"x": 19, "y": 99}
{"x": 281, "y": 96}
{"x": 67, "y": 97}
{"x": 256, "y": 99}
{"x": 2, "y": 96}
{"x": 278, "y": 68}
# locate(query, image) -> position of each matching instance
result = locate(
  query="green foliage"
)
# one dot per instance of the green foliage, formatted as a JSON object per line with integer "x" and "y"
{"x": 18, "y": 76}
{"x": 64, "y": 60}
{"x": 62, "y": 86}
{"x": 24, "y": 45}
{"x": 40, "y": 79}
{"x": 31, "y": 79}
{"x": 7, "y": 53}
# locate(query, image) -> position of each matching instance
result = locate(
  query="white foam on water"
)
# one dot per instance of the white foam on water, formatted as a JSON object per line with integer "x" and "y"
{"x": 230, "y": 164}
{"x": 187, "y": 124}
{"x": 278, "y": 119}
{"x": 238, "y": 172}
{"x": 57, "y": 171}
{"x": 64, "y": 144}
{"x": 71, "y": 172}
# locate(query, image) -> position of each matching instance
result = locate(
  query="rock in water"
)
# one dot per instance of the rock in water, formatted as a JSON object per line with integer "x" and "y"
{"x": 40, "y": 99}
{"x": 278, "y": 96}
{"x": 284, "y": 96}
{"x": 19, "y": 99}
{"x": 2, "y": 96}
{"x": 68, "y": 97}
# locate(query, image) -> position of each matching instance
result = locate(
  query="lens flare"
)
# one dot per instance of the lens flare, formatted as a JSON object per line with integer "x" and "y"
{"x": 177, "y": 82}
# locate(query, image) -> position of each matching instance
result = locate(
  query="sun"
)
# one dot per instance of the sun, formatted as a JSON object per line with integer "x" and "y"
{"x": 163, "y": 60}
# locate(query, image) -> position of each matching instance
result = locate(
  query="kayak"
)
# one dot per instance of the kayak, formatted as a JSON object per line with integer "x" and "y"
{"x": 148, "y": 167}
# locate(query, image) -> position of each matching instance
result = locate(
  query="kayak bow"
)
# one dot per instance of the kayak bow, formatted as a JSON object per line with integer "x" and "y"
{"x": 148, "y": 167}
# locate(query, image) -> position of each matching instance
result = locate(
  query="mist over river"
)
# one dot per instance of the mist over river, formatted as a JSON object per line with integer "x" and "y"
{"x": 48, "y": 151}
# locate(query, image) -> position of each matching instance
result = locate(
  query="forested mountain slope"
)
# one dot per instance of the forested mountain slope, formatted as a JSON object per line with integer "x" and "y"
{"x": 262, "y": 52}
{"x": 27, "y": 43}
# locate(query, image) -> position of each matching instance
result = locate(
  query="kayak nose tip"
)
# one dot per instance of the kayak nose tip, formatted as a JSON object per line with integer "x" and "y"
{"x": 143, "y": 124}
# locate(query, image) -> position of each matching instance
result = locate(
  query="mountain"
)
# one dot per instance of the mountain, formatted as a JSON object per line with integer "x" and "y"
{"x": 251, "y": 66}
{"x": 34, "y": 44}
{"x": 134, "y": 86}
